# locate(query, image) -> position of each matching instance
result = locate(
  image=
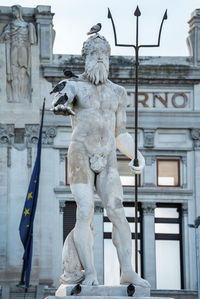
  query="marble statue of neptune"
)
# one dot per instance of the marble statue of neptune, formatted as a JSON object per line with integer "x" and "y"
{"x": 99, "y": 127}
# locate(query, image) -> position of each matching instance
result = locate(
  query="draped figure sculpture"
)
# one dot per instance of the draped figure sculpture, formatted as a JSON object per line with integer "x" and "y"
{"x": 99, "y": 127}
{"x": 18, "y": 35}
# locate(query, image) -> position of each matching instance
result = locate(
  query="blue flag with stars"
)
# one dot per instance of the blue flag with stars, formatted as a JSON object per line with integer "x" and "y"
{"x": 27, "y": 219}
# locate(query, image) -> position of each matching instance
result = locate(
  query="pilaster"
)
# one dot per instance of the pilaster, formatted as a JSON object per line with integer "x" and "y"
{"x": 98, "y": 241}
{"x": 149, "y": 257}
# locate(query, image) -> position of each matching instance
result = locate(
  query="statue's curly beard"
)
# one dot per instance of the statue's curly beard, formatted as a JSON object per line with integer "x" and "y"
{"x": 97, "y": 72}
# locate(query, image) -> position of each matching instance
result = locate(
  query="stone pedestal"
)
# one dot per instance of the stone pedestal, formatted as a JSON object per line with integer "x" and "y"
{"x": 101, "y": 292}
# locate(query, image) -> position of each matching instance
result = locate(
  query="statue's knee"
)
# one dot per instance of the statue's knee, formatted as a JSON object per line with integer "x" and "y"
{"x": 115, "y": 209}
{"x": 85, "y": 212}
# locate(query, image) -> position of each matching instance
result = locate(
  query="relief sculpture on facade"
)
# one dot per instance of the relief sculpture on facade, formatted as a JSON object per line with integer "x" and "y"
{"x": 18, "y": 37}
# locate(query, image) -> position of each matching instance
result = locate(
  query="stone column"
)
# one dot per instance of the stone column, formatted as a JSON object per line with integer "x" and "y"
{"x": 98, "y": 241}
{"x": 195, "y": 134}
{"x": 194, "y": 36}
{"x": 149, "y": 255}
{"x": 46, "y": 33}
{"x": 185, "y": 243}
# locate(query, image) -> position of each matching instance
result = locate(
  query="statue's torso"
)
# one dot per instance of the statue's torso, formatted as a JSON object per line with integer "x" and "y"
{"x": 94, "y": 122}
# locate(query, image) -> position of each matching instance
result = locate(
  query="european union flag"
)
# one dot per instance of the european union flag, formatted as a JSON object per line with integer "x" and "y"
{"x": 26, "y": 224}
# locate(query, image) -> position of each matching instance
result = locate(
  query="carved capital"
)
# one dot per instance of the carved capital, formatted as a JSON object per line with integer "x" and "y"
{"x": 98, "y": 208}
{"x": 149, "y": 160}
{"x": 61, "y": 205}
{"x": 149, "y": 138}
{"x": 32, "y": 134}
{"x": 48, "y": 135}
{"x": 184, "y": 160}
{"x": 62, "y": 154}
{"x": 195, "y": 134}
{"x": 6, "y": 134}
{"x": 148, "y": 208}
{"x": 184, "y": 209}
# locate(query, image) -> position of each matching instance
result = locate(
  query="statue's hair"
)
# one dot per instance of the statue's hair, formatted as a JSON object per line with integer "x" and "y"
{"x": 19, "y": 8}
{"x": 91, "y": 43}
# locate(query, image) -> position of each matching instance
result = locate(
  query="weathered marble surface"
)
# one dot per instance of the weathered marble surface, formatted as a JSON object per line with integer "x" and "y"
{"x": 99, "y": 127}
{"x": 101, "y": 290}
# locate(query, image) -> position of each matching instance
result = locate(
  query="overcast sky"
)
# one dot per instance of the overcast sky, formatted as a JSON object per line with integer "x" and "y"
{"x": 74, "y": 18}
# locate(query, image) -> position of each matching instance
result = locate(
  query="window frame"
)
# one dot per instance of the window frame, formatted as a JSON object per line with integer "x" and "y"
{"x": 179, "y": 171}
{"x": 172, "y": 237}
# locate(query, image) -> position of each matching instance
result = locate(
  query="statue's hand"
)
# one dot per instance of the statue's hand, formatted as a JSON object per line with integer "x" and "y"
{"x": 63, "y": 110}
{"x": 137, "y": 169}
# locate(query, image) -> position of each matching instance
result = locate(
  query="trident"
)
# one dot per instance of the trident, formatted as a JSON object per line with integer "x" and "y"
{"x": 137, "y": 13}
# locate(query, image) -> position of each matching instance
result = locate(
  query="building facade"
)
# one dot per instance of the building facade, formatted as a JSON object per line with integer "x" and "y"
{"x": 169, "y": 138}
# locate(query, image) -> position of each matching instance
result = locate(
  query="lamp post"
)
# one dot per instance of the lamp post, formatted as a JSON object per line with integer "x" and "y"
{"x": 195, "y": 226}
{"x": 137, "y": 13}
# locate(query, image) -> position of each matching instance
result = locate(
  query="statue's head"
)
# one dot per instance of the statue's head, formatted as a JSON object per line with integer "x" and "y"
{"x": 17, "y": 12}
{"x": 96, "y": 52}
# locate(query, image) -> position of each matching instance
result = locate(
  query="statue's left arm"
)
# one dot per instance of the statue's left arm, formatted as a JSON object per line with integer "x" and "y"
{"x": 124, "y": 140}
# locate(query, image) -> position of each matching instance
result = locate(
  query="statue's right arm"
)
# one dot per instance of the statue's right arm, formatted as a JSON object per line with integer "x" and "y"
{"x": 70, "y": 90}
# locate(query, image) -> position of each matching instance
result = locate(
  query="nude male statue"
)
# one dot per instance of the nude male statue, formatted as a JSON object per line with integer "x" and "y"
{"x": 99, "y": 127}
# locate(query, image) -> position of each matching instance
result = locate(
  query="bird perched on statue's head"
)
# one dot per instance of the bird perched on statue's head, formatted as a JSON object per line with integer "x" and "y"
{"x": 69, "y": 74}
{"x": 96, "y": 28}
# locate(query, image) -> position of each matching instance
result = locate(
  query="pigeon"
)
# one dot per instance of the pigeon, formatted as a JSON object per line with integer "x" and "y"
{"x": 76, "y": 290}
{"x": 58, "y": 87}
{"x": 69, "y": 74}
{"x": 96, "y": 28}
{"x": 130, "y": 290}
{"x": 62, "y": 100}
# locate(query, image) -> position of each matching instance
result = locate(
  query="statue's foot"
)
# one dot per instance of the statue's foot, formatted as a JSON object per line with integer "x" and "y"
{"x": 132, "y": 277}
{"x": 90, "y": 280}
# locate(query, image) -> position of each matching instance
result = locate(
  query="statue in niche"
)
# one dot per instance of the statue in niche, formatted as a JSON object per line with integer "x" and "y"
{"x": 18, "y": 36}
{"x": 99, "y": 127}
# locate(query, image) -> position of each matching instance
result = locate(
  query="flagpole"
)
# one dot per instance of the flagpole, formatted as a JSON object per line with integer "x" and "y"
{"x": 32, "y": 194}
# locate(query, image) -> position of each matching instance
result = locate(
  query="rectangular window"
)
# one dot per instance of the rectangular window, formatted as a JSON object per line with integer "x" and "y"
{"x": 168, "y": 172}
{"x": 126, "y": 176}
{"x": 168, "y": 241}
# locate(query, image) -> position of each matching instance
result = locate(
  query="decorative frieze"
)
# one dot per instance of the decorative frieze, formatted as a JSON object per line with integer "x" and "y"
{"x": 195, "y": 134}
{"x": 149, "y": 138}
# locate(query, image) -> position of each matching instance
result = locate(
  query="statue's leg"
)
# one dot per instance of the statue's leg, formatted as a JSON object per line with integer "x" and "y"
{"x": 109, "y": 188}
{"x": 82, "y": 183}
